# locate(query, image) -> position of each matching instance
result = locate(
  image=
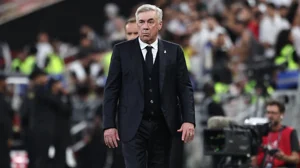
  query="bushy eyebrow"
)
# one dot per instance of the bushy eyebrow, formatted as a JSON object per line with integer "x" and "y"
{"x": 147, "y": 20}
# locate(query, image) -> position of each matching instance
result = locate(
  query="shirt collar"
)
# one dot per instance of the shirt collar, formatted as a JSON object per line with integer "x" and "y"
{"x": 144, "y": 45}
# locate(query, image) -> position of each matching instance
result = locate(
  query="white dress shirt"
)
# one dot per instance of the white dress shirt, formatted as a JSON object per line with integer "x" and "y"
{"x": 154, "y": 46}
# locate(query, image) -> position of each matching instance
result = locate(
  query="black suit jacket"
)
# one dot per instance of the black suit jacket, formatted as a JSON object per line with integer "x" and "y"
{"x": 46, "y": 109}
{"x": 124, "y": 90}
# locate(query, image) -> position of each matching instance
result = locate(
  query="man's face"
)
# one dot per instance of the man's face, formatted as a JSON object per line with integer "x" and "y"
{"x": 274, "y": 114}
{"x": 132, "y": 31}
{"x": 148, "y": 25}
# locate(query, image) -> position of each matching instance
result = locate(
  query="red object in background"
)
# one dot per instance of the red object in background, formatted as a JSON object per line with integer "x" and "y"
{"x": 16, "y": 123}
{"x": 254, "y": 28}
{"x": 19, "y": 159}
{"x": 69, "y": 59}
{"x": 14, "y": 54}
{"x": 2, "y": 63}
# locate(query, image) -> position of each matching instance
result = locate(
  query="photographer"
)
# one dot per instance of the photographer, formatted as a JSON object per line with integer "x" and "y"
{"x": 281, "y": 141}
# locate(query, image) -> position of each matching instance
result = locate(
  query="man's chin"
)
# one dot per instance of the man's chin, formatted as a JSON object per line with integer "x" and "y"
{"x": 146, "y": 39}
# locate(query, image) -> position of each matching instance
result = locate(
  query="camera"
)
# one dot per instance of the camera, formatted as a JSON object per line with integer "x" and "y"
{"x": 236, "y": 143}
{"x": 235, "y": 140}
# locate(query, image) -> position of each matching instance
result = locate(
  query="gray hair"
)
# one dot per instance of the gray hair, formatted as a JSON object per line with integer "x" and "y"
{"x": 148, "y": 7}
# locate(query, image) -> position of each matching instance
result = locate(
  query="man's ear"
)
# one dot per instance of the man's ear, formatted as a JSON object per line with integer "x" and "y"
{"x": 160, "y": 25}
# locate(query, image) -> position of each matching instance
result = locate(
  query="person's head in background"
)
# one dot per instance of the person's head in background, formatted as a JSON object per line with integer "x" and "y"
{"x": 283, "y": 11}
{"x": 38, "y": 77}
{"x": 149, "y": 21}
{"x": 211, "y": 22}
{"x": 43, "y": 37}
{"x": 271, "y": 9}
{"x": 131, "y": 29}
{"x": 245, "y": 14}
{"x": 32, "y": 51}
{"x": 220, "y": 41}
{"x": 240, "y": 27}
{"x": 284, "y": 37}
{"x": 85, "y": 42}
{"x": 85, "y": 30}
{"x": 111, "y": 10}
{"x": 275, "y": 112}
{"x": 55, "y": 86}
{"x": 27, "y": 51}
{"x": 82, "y": 90}
{"x": 2, "y": 83}
{"x": 208, "y": 89}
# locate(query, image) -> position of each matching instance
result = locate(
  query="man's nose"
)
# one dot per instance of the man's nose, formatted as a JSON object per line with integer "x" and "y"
{"x": 145, "y": 26}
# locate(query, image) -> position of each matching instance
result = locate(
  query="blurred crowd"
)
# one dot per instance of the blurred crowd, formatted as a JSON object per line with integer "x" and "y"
{"x": 232, "y": 47}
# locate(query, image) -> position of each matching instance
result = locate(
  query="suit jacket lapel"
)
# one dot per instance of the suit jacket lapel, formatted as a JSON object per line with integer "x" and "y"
{"x": 137, "y": 63}
{"x": 162, "y": 64}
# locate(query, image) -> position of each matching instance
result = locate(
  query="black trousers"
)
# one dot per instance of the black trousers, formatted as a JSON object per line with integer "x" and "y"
{"x": 176, "y": 160}
{"x": 150, "y": 148}
{"x": 60, "y": 143}
{"x": 4, "y": 153}
{"x": 43, "y": 141}
{"x": 30, "y": 147}
{"x": 94, "y": 154}
{"x": 4, "y": 149}
{"x": 118, "y": 159}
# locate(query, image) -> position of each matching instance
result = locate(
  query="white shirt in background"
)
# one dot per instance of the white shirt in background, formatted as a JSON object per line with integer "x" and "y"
{"x": 269, "y": 30}
{"x": 43, "y": 49}
{"x": 296, "y": 37}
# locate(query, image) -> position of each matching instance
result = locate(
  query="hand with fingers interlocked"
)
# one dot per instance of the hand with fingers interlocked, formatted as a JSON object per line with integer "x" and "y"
{"x": 111, "y": 136}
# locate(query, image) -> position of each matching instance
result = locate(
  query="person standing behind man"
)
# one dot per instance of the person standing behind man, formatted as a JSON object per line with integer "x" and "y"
{"x": 148, "y": 84}
{"x": 6, "y": 117}
{"x": 132, "y": 32}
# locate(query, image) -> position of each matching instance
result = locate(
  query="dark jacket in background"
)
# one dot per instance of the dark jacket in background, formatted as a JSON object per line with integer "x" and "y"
{"x": 47, "y": 111}
{"x": 6, "y": 115}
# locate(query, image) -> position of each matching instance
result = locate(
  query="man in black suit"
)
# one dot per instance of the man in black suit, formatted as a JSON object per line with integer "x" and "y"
{"x": 48, "y": 113}
{"x": 149, "y": 86}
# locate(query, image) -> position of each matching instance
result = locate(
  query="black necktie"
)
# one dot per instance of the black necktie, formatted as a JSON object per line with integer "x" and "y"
{"x": 149, "y": 58}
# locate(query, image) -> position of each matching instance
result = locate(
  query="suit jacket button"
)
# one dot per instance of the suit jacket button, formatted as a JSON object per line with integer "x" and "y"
{"x": 151, "y": 101}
